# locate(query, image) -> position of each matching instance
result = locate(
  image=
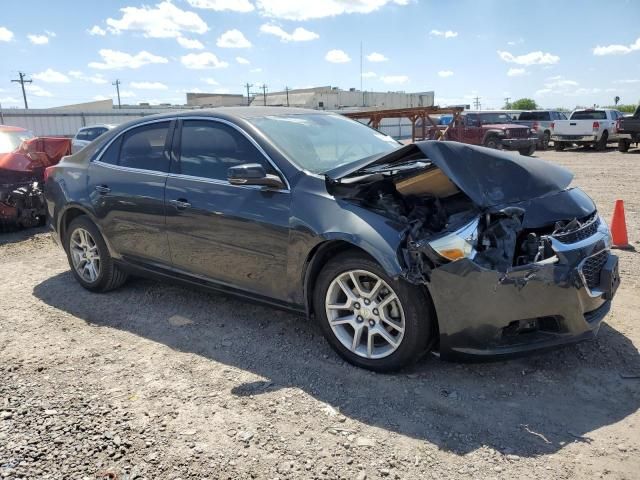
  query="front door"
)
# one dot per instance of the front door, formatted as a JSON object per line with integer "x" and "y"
{"x": 126, "y": 187}
{"x": 234, "y": 235}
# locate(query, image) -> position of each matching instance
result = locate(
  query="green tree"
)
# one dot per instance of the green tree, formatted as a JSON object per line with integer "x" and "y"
{"x": 523, "y": 104}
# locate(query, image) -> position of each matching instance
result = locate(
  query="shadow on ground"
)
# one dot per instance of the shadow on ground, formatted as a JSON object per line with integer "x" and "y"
{"x": 11, "y": 234}
{"x": 528, "y": 407}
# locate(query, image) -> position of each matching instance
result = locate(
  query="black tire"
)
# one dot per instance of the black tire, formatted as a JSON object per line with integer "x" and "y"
{"x": 624, "y": 145}
{"x": 110, "y": 275}
{"x": 492, "y": 142}
{"x": 559, "y": 146}
{"x": 528, "y": 151}
{"x": 602, "y": 143}
{"x": 546, "y": 138}
{"x": 419, "y": 314}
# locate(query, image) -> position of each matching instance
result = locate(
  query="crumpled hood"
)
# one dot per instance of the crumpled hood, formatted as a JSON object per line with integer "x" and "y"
{"x": 488, "y": 177}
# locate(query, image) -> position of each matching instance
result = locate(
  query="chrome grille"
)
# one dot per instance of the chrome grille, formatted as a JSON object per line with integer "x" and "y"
{"x": 518, "y": 132}
{"x": 592, "y": 267}
{"x": 589, "y": 227}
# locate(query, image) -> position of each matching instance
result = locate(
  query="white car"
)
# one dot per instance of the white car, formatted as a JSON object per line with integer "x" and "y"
{"x": 591, "y": 126}
{"x": 86, "y": 135}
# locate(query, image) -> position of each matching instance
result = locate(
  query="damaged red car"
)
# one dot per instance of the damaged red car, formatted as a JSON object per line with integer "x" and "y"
{"x": 23, "y": 160}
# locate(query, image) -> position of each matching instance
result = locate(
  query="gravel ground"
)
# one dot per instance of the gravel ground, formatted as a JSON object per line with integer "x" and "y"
{"x": 158, "y": 381}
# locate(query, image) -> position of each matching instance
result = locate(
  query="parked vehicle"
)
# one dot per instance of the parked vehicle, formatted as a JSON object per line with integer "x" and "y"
{"x": 23, "y": 159}
{"x": 396, "y": 250}
{"x": 629, "y": 130}
{"x": 540, "y": 122}
{"x": 493, "y": 130}
{"x": 586, "y": 127}
{"x": 86, "y": 135}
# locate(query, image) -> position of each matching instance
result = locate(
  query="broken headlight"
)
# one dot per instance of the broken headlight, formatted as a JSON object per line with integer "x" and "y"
{"x": 459, "y": 244}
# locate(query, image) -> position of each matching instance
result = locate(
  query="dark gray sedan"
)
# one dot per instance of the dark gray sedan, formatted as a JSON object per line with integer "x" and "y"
{"x": 395, "y": 250}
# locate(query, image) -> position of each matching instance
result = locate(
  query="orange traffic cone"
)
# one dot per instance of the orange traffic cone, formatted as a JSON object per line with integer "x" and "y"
{"x": 619, "y": 226}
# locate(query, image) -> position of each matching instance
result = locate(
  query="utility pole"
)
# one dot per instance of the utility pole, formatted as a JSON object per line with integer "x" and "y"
{"x": 286, "y": 89}
{"x": 264, "y": 94}
{"x": 117, "y": 85}
{"x": 22, "y": 81}
{"x": 361, "y": 89}
{"x": 506, "y": 102}
{"x": 476, "y": 103}
{"x": 248, "y": 86}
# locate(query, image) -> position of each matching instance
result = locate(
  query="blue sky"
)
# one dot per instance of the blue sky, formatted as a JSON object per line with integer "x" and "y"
{"x": 562, "y": 53}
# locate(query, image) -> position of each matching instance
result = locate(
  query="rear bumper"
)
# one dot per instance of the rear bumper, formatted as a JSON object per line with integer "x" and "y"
{"x": 574, "y": 138}
{"x": 519, "y": 143}
{"x": 485, "y": 314}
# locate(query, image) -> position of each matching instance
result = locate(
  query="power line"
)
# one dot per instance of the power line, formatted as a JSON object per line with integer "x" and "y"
{"x": 248, "y": 86}
{"x": 117, "y": 85}
{"x": 22, "y": 81}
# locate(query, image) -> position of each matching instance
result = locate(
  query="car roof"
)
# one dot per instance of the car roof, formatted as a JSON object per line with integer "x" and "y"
{"x": 10, "y": 128}
{"x": 98, "y": 125}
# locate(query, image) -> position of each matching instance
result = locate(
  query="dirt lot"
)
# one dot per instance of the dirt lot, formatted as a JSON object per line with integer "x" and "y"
{"x": 157, "y": 381}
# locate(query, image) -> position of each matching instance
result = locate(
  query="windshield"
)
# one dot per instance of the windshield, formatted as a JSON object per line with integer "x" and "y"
{"x": 541, "y": 116}
{"x": 589, "y": 115}
{"x": 491, "y": 118}
{"x": 10, "y": 141}
{"x": 320, "y": 142}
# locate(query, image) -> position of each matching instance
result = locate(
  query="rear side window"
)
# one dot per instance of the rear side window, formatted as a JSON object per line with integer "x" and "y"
{"x": 145, "y": 148}
{"x": 208, "y": 149}
{"x": 112, "y": 153}
{"x": 589, "y": 115}
{"x": 93, "y": 133}
{"x": 81, "y": 135}
{"x": 535, "y": 116}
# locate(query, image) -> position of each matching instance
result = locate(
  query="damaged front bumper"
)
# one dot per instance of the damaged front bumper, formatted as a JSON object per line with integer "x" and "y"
{"x": 485, "y": 313}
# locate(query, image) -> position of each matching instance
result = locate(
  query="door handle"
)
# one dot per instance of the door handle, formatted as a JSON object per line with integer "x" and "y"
{"x": 180, "y": 204}
{"x": 102, "y": 189}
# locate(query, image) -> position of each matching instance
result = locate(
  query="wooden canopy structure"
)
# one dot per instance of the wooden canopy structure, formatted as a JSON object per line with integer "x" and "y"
{"x": 413, "y": 114}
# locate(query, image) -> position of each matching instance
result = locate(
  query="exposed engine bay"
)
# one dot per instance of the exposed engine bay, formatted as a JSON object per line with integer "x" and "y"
{"x": 21, "y": 206}
{"x": 444, "y": 224}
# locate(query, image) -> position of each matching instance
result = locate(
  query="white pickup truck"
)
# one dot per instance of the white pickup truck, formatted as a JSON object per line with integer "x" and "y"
{"x": 592, "y": 126}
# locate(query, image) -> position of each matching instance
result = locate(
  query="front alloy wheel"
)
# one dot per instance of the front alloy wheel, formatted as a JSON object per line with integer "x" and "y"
{"x": 365, "y": 314}
{"x": 85, "y": 255}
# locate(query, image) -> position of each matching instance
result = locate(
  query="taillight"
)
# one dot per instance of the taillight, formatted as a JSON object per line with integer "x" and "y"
{"x": 47, "y": 172}
{"x": 553, "y": 124}
{"x": 596, "y": 126}
{"x": 618, "y": 124}
{"x": 535, "y": 125}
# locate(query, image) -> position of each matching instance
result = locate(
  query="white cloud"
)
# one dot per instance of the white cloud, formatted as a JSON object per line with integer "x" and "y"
{"x": 200, "y": 61}
{"x": 516, "y": 42}
{"x": 165, "y": 20}
{"x": 233, "y": 39}
{"x": 101, "y": 97}
{"x": 516, "y": 72}
{"x": 445, "y": 73}
{"x": 9, "y": 100}
{"x": 242, "y": 61}
{"x": 6, "y": 35}
{"x": 369, "y": 75}
{"x": 38, "y": 91}
{"x": 305, "y": 10}
{"x": 617, "y": 49}
{"x": 376, "y": 57}
{"x": 208, "y": 81}
{"x": 51, "y": 34}
{"x": 148, "y": 85}
{"x": 114, "y": 59}
{"x": 97, "y": 30}
{"x": 533, "y": 58}
{"x": 255, "y": 70}
{"x": 221, "y": 91}
{"x": 191, "y": 44}
{"x": 445, "y": 34}
{"x": 51, "y": 76}
{"x": 38, "y": 39}
{"x": 337, "y": 56}
{"x": 625, "y": 81}
{"x": 298, "y": 35}
{"x": 98, "y": 79}
{"x": 126, "y": 94}
{"x": 242, "y": 6}
{"x": 559, "y": 81}
{"x": 395, "y": 79}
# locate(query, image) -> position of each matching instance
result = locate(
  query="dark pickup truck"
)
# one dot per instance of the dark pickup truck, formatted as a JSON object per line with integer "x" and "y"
{"x": 629, "y": 130}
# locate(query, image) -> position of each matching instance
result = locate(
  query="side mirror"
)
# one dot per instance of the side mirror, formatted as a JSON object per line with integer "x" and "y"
{"x": 253, "y": 174}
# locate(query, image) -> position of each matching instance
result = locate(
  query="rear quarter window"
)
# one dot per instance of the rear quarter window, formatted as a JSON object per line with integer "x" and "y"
{"x": 535, "y": 116}
{"x": 589, "y": 115}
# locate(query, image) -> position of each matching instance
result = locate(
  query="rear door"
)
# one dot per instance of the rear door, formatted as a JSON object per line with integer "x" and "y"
{"x": 232, "y": 234}
{"x": 126, "y": 186}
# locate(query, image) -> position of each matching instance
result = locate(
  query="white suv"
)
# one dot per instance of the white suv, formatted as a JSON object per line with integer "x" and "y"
{"x": 86, "y": 135}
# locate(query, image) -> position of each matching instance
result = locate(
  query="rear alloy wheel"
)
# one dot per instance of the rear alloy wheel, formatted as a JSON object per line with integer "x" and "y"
{"x": 624, "y": 145}
{"x": 371, "y": 320}
{"x": 546, "y": 138}
{"x": 558, "y": 146}
{"x": 602, "y": 143}
{"x": 89, "y": 258}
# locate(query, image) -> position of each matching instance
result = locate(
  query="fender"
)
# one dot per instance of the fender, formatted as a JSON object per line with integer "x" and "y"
{"x": 92, "y": 217}
{"x": 493, "y": 132}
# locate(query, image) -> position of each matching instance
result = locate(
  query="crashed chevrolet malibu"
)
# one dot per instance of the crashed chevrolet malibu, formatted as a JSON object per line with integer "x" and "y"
{"x": 395, "y": 250}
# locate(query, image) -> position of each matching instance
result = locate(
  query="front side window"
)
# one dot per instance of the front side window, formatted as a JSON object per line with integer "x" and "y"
{"x": 321, "y": 142}
{"x": 208, "y": 149}
{"x": 145, "y": 147}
